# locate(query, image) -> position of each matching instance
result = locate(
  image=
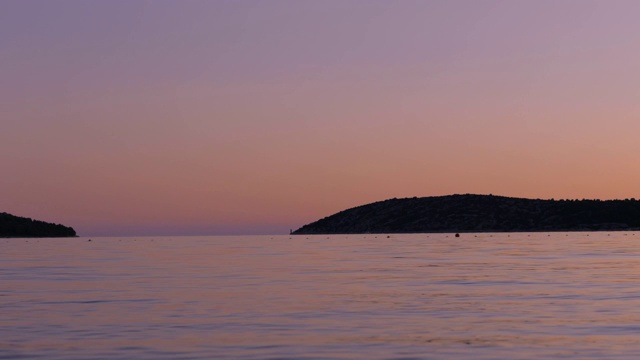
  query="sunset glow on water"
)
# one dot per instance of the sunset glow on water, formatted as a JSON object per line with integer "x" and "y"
{"x": 414, "y": 296}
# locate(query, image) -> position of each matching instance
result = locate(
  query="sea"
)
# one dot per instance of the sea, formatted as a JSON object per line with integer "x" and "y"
{"x": 376, "y": 296}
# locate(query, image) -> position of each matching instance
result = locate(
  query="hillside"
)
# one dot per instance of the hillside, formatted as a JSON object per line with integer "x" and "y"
{"x": 20, "y": 227}
{"x": 479, "y": 213}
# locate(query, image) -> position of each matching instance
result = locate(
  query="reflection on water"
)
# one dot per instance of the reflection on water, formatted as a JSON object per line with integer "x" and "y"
{"x": 419, "y": 296}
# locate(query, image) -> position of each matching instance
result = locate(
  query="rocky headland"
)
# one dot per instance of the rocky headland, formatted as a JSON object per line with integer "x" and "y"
{"x": 12, "y": 226}
{"x": 479, "y": 213}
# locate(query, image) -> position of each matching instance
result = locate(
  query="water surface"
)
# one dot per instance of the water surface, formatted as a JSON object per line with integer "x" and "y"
{"x": 419, "y": 296}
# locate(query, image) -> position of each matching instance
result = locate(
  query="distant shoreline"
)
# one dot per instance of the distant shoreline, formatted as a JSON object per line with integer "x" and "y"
{"x": 470, "y": 232}
{"x": 471, "y": 213}
{"x": 16, "y": 227}
{"x": 39, "y": 237}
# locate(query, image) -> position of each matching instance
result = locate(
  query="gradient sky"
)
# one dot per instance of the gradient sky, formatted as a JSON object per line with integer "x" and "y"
{"x": 126, "y": 117}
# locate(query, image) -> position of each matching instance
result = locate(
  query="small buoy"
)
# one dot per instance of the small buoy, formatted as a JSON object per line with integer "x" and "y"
{"x": 89, "y": 240}
{"x": 457, "y": 235}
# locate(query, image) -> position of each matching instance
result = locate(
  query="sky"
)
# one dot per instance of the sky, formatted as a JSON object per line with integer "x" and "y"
{"x": 133, "y": 117}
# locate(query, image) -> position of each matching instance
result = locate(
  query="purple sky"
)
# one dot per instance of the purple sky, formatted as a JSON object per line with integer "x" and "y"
{"x": 237, "y": 117}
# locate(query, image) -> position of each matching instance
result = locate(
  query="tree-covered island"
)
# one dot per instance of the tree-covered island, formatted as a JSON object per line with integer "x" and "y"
{"x": 479, "y": 213}
{"x": 12, "y": 226}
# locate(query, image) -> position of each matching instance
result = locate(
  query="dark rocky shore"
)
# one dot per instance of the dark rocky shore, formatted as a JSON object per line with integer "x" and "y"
{"x": 20, "y": 227}
{"x": 479, "y": 213}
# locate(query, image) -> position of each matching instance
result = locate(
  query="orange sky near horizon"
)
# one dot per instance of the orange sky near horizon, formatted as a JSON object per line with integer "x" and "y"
{"x": 255, "y": 117}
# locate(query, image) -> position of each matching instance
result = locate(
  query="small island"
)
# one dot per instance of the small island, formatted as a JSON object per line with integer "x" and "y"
{"x": 479, "y": 213}
{"x": 12, "y": 226}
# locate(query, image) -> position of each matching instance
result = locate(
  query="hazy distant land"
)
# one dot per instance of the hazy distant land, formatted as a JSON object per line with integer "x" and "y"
{"x": 479, "y": 213}
{"x": 12, "y": 226}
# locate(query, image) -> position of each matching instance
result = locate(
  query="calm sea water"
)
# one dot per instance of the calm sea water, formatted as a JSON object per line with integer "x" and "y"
{"x": 479, "y": 296}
